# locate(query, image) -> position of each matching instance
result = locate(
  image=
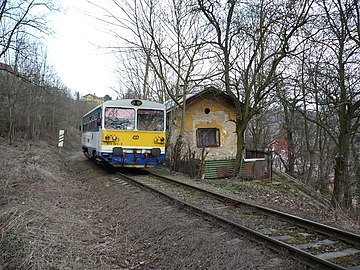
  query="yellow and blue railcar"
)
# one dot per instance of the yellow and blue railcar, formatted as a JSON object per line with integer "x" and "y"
{"x": 125, "y": 133}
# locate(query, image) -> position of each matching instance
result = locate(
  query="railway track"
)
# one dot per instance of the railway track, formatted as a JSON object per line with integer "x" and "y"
{"x": 314, "y": 244}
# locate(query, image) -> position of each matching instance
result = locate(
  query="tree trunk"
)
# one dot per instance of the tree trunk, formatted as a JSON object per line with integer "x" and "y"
{"x": 291, "y": 151}
{"x": 342, "y": 190}
{"x": 12, "y": 122}
{"x": 177, "y": 153}
{"x": 240, "y": 144}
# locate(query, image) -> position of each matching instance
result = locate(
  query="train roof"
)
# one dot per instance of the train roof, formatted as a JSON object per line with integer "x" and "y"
{"x": 141, "y": 103}
{"x": 130, "y": 103}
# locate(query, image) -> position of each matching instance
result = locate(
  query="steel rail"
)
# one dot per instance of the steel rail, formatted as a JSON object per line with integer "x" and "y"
{"x": 302, "y": 222}
{"x": 274, "y": 244}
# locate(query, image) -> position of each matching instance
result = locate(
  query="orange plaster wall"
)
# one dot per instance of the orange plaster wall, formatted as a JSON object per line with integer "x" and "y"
{"x": 219, "y": 116}
{"x": 215, "y": 119}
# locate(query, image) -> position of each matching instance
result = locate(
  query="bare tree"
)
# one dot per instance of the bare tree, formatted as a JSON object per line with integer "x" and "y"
{"x": 20, "y": 17}
{"x": 253, "y": 38}
{"x": 169, "y": 38}
{"x": 124, "y": 20}
{"x": 352, "y": 8}
{"x": 328, "y": 85}
{"x": 34, "y": 102}
{"x": 341, "y": 95}
{"x": 21, "y": 22}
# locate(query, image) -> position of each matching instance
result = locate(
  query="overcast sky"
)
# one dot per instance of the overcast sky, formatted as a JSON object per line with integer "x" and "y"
{"x": 73, "y": 51}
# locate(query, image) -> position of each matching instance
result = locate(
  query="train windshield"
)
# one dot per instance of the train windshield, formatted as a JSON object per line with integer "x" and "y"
{"x": 151, "y": 120}
{"x": 119, "y": 118}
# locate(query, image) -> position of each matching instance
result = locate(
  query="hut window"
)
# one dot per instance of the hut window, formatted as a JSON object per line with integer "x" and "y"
{"x": 207, "y": 137}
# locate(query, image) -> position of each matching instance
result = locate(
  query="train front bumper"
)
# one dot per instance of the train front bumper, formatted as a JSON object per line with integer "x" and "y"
{"x": 135, "y": 158}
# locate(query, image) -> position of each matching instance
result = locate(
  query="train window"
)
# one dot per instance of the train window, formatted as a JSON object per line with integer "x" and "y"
{"x": 92, "y": 122}
{"x": 151, "y": 120}
{"x": 207, "y": 137}
{"x": 119, "y": 118}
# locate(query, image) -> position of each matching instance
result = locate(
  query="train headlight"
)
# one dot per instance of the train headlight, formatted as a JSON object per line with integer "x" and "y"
{"x": 160, "y": 140}
{"x": 107, "y": 137}
{"x": 114, "y": 138}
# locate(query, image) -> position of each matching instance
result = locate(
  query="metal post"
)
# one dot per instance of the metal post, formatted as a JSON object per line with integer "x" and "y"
{"x": 61, "y": 140}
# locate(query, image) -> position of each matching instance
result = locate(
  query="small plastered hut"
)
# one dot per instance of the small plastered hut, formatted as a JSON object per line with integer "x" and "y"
{"x": 209, "y": 134}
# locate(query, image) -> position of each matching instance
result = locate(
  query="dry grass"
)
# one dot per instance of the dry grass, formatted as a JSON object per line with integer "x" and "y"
{"x": 66, "y": 213}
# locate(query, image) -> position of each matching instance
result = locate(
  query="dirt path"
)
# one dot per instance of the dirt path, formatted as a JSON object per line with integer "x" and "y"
{"x": 67, "y": 213}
